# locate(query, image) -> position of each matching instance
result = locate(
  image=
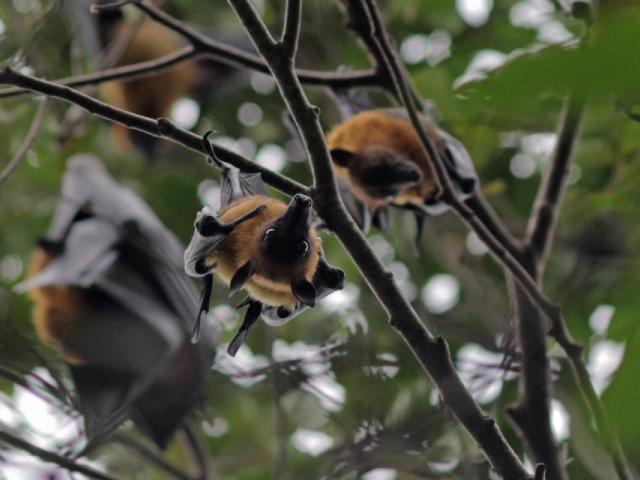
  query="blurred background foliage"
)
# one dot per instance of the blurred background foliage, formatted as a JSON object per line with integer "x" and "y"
{"x": 335, "y": 393}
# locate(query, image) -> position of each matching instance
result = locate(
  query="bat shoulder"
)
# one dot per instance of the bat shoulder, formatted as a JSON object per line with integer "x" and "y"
{"x": 57, "y": 310}
{"x": 384, "y": 128}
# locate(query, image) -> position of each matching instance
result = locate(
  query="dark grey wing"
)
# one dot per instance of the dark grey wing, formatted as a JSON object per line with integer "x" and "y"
{"x": 233, "y": 183}
{"x": 460, "y": 166}
{"x": 141, "y": 303}
{"x": 463, "y": 176}
{"x": 358, "y": 210}
{"x": 88, "y": 191}
{"x": 236, "y": 185}
{"x": 350, "y": 101}
{"x": 326, "y": 280}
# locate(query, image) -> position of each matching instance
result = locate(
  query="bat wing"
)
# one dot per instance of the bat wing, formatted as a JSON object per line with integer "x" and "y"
{"x": 350, "y": 101}
{"x": 235, "y": 185}
{"x": 459, "y": 164}
{"x": 141, "y": 302}
{"x": 209, "y": 232}
{"x": 463, "y": 176}
{"x": 326, "y": 280}
{"x": 358, "y": 210}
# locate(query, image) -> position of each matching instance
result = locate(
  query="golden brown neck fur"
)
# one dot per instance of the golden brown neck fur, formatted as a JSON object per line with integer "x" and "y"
{"x": 385, "y": 128}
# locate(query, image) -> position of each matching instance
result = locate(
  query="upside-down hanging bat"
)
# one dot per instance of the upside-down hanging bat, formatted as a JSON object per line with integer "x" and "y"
{"x": 378, "y": 159}
{"x": 110, "y": 292}
{"x": 153, "y": 95}
{"x": 262, "y": 245}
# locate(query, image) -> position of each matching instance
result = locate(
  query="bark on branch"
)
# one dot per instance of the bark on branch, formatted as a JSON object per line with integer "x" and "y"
{"x": 533, "y": 405}
{"x": 158, "y": 128}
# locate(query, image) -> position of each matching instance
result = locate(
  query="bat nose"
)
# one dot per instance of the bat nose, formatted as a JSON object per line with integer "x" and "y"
{"x": 302, "y": 200}
{"x": 297, "y": 213}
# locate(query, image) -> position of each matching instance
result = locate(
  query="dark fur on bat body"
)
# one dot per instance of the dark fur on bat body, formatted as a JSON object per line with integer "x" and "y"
{"x": 110, "y": 295}
{"x": 261, "y": 245}
{"x": 379, "y": 159}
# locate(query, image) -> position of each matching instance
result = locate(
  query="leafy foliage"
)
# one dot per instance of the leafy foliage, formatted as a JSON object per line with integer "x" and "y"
{"x": 335, "y": 393}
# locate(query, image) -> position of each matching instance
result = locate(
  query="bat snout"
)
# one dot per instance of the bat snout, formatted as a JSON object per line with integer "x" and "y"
{"x": 297, "y": 214}
{"x": 302, "y": 200}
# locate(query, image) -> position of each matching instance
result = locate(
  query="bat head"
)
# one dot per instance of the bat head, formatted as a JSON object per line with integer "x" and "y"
{"x": 286, "y": 241}
{"x": 377, "y": 172}
{"x": 285, "y": 245}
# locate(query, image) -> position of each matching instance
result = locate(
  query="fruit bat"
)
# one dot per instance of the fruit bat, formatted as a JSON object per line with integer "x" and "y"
{"x": 261, "y": 245}
{"x": 152, "y": 95}
{"x": 110, "y": 292}
{"x": 379, "y": 162}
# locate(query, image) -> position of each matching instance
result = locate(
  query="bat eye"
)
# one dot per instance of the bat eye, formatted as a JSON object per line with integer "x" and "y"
{"x": 268, "y": 234}
{"x": 304, "y": 247}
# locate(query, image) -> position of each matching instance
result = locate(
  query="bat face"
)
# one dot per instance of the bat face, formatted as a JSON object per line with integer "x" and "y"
{"x": 378, "y": 174}
{"x": 267, "y": 253}
{"x": 284, "y": 247}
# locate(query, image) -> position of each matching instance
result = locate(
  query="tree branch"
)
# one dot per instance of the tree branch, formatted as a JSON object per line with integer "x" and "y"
{"x": 129, "y": 72}
{"x": 291, "y": 30}
{"x": 22, "y": 151}
{"x": 544, "y": 216}
{"x": 47, "y": 456}
{"x": 532, "y": 412}
{"x": 150, "y": 456}
{"x": 236, "y": 57}
{"x": 199, "y": 457}
{"x": 158, "y": 128}
{"x": 535, "y": 397}
{"x": 432, "y": 352}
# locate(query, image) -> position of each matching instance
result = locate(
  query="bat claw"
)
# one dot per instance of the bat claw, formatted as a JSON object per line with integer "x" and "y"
{"x": 253, "y": 312}
{"x": 242, "y": 275}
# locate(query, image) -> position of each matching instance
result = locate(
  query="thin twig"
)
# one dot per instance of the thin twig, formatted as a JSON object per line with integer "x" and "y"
{"x": 432, "y": 352}
{"x": 158, "y": 128}
{"x": 544, "y": 215}
{"x": 47, "y": 456}
{"x": 197, "y": 452}
{"x": 22, "y": 151}
{"x": 531, "y": 414}
{"x": 150, "y": 456}
{"x": 236, "y": 57}
{"x": 128, "y": 72}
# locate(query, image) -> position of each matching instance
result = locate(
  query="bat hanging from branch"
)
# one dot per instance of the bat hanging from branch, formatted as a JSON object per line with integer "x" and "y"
{"x": 379, "y": 162}
{"x": 261, "y": 245}
{"x": 110, "y": 292}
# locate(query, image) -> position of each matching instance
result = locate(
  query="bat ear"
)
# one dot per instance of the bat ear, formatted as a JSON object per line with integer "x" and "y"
{"x": 304, "y": 291}
{"x": 242, "y": 275}
{"x": 342, "y": 157}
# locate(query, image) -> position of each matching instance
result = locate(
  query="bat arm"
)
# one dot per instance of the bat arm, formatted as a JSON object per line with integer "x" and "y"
{"x": 209, "y": 233}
